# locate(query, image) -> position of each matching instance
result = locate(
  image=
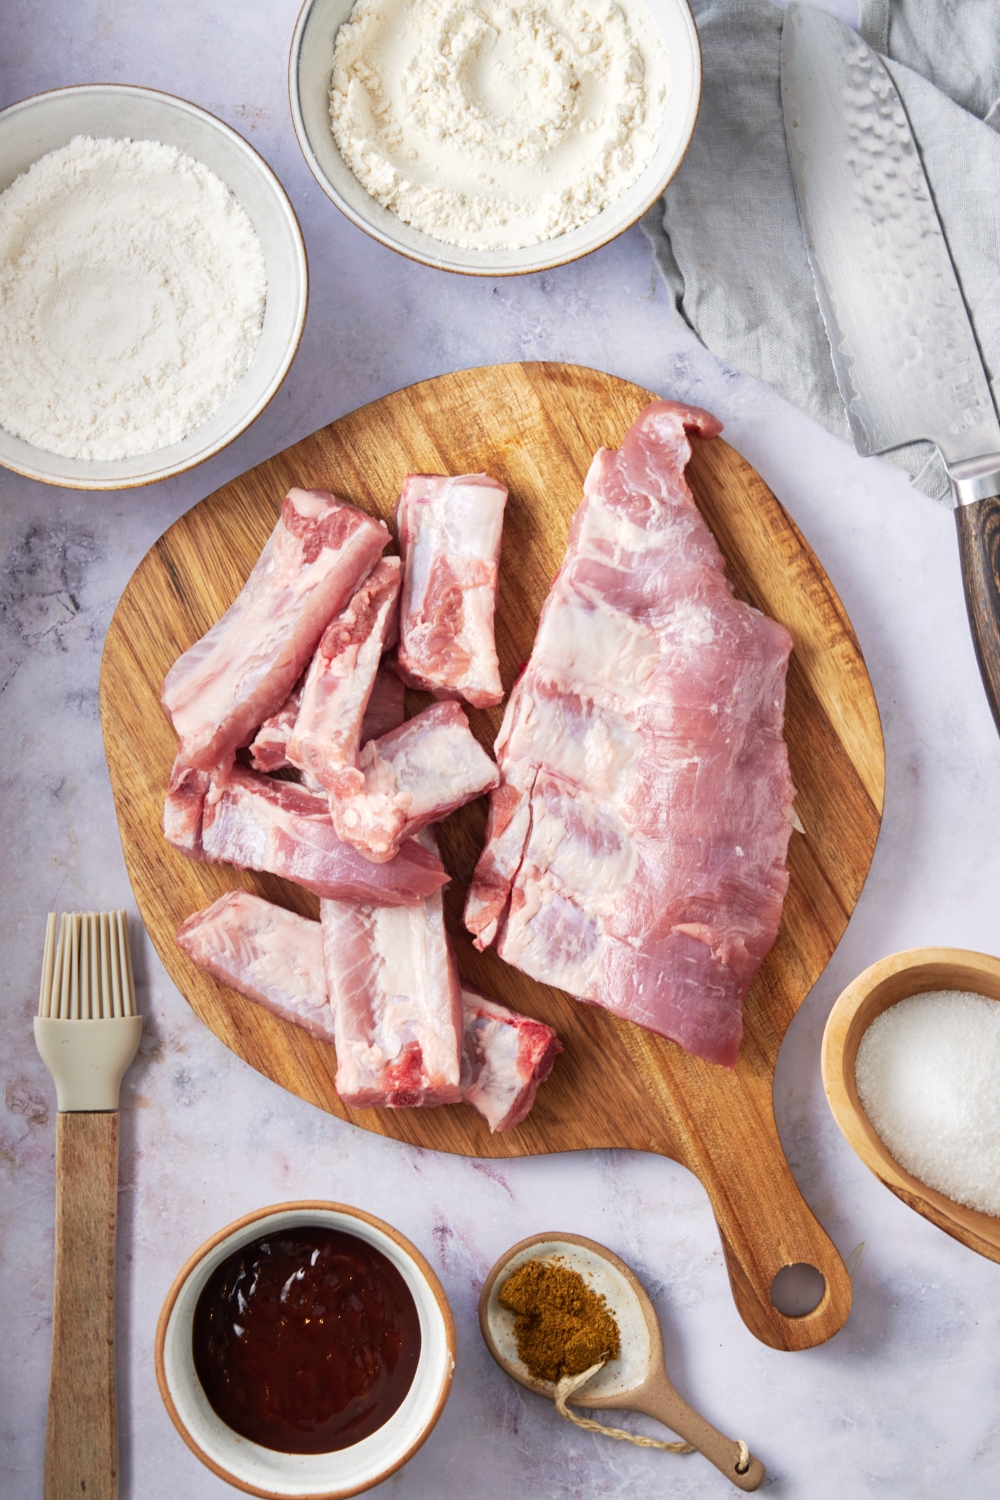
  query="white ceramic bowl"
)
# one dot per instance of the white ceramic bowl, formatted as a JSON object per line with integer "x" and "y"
{"x": 317, "y": 1476}
{"x": 35, "y": 126}
{"x": 309, "y": 69}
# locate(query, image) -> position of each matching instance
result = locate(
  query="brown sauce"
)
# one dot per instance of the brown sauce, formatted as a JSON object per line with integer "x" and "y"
{"x": 306, "y": 1341}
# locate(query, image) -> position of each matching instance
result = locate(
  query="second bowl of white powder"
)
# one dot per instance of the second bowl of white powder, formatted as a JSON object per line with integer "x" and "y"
{"x": 928, "y": 1077}
{"x": 490, "y": 138}
{"x": 910, "y": 1061}
{"x": 153, "y": 286}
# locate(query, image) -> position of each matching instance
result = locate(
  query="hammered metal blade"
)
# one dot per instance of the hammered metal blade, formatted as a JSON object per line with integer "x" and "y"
{"x": 903, "y": 347}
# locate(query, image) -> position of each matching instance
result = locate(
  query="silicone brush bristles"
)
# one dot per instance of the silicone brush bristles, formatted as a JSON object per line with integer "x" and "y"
{"x": 87, "y": 969}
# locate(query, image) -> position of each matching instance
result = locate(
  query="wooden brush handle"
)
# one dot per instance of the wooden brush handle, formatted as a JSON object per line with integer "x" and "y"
{"x": 81, "y": 1439}
{"x": 979, "y": 543}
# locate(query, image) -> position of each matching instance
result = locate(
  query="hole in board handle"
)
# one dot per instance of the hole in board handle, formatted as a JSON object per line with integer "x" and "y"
{"x": 797, "y": 1290}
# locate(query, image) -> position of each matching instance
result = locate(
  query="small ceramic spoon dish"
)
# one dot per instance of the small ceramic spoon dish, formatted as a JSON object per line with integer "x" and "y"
{"x": 892, "y": 979}
{"x": 637, "y": 1380}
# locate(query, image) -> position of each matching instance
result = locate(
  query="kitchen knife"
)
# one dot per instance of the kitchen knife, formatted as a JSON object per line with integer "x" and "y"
{"x": 903, "y": 348}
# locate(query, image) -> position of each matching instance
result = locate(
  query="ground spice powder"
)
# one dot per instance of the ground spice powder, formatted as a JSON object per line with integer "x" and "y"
{"x": 562, "y": 1326}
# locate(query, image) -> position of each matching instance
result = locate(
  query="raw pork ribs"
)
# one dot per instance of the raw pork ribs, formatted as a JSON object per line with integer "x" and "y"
{"x": 296, "y": 671}
{"x": 449, "y": 537}
{"x": 390, "y": 1006}
{"x": 397, "y": 1001}
{"x": 415, "y": 775}
{"x": 504, "y": 1058}
{"x": 241, "y": 672}
{"x": 256, "y": 822}
{"x": 636, "y": 845}
{"x": 269, "y": 954}
{"x": 326, "y": 736}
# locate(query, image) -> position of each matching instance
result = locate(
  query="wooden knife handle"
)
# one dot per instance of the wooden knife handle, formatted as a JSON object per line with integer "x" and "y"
{"x": 979, "y": 544}
{"x": 81, "y": 1438}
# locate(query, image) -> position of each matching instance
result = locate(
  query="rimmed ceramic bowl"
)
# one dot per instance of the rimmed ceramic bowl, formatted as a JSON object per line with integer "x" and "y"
{"x": 35, "y": 126}
{"x": 309, "y": 70}
{"x": 307, "y": 1476}
{"x": 896, "y": 978}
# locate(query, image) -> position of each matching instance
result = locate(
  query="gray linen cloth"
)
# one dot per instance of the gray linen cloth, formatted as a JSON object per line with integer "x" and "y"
{"x": 726, "y": 233}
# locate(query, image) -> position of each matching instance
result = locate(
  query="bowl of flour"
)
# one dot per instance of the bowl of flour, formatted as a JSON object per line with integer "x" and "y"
{"x": 153, "y": 286}
{"x": 494, "y": 138}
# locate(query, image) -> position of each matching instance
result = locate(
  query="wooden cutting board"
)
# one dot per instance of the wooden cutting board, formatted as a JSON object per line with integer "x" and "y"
{"x": 536, "y": 427}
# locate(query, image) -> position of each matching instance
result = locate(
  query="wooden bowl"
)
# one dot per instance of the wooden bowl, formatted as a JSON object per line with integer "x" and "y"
{"x": 890, "y": 980}
{"x": 307, "y": 1476}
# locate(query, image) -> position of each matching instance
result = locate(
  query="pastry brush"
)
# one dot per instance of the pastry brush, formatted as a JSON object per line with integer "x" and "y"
{"x": 87, "y": 1032}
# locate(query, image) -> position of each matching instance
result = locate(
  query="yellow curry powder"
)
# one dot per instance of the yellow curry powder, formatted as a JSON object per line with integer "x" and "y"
{"x": 562, "y": 1327}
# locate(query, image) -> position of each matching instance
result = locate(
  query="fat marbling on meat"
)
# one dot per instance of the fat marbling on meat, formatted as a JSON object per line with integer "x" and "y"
{"x": 449, "y": 537}
{"x": 636, "y": 845}
{"x": 269, "y": 954}
{"x": 242, "y": 670}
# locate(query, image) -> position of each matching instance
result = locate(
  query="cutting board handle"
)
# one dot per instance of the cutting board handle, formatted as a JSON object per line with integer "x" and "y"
{"x": 979, "y": 543}
{"x": 764, "y": 1222}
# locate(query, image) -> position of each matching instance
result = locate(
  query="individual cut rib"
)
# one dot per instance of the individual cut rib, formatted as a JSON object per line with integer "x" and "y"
{"x": 505, "y": 1056}
{"x": 413, "y": 776}
{"x": 269, "y": 954}
{"x": 397, "y": 1003}
{"x": 257, "y": 823}
{"x": 242, "y": 671}
{"x": 449, "y": 538}
{"x": 635, "y": 851}
{"x": 386, "y": 707}
{"x": 326, "y": 737}
{"x": 384, "y": 710}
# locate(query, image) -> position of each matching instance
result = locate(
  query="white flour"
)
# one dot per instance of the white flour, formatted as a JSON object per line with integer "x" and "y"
{"x": 492, "y": 125}
{"x": 132, "y": 291}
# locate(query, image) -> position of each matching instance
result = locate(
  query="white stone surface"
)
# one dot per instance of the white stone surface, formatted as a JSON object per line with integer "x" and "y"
{"x": 903, "y": 1402}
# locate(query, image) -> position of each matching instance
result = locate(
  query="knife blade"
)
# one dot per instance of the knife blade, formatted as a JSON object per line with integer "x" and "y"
{"x": 903, "y": 348}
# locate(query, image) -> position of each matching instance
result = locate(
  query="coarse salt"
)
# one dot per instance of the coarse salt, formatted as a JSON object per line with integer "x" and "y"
{"x": 490, "y": 125}
{"x": 928, "y": 1076}
{"x": 132, "y": 293}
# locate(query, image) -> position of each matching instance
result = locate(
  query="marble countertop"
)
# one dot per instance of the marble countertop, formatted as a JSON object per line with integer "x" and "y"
{"x": 903, "y": 1401}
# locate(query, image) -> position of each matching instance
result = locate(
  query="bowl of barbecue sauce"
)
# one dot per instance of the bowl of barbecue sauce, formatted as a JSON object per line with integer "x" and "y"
{"x": 306, "y": 1350}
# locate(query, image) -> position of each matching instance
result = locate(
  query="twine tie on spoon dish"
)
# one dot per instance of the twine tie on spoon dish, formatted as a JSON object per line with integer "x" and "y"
{"x": 571, "y": 1383}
